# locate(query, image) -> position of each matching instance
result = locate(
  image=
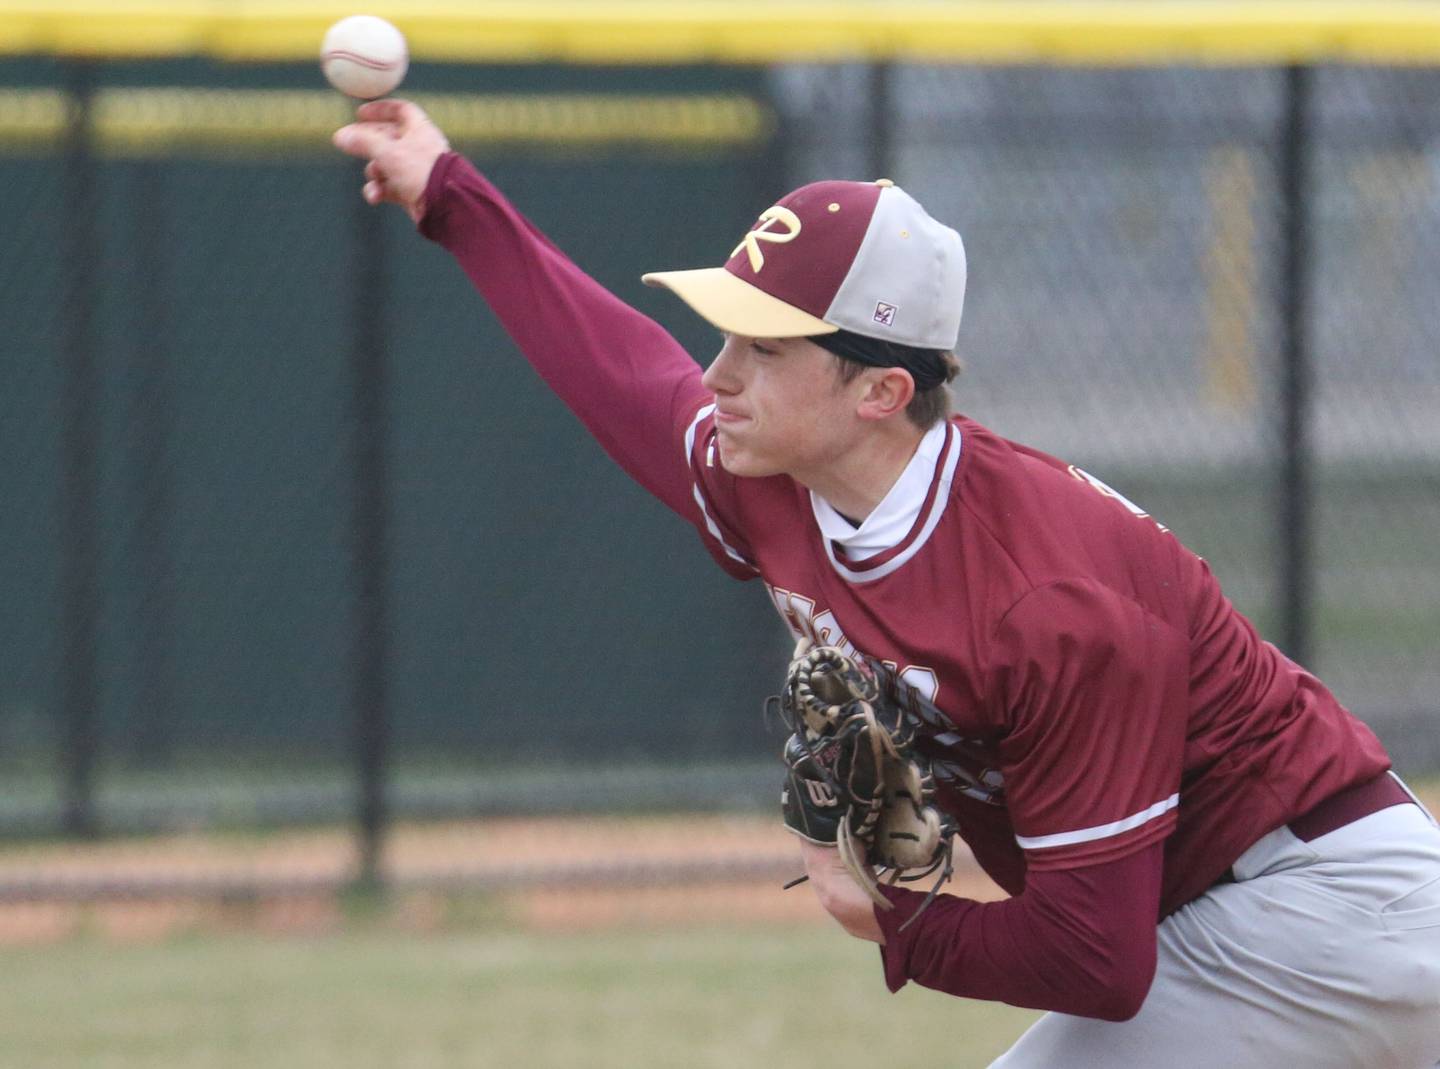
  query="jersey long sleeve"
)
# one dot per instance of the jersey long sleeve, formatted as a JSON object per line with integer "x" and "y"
{"x": 1079, "y": 941}
{"x": 631, "y": 384}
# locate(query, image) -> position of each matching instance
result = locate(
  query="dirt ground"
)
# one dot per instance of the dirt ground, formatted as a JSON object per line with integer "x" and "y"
{"x": 546, "y": 874}
{"x": 552, "y": 873}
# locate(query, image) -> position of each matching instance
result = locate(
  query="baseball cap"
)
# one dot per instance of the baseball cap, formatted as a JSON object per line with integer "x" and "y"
{"x": 862, "y": 257}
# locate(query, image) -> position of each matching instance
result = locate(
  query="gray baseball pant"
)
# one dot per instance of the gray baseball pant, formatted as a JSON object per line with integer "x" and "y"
{"x": 1322, "y": 954}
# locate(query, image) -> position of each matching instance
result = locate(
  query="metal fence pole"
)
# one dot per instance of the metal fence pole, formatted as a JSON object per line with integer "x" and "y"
{"x": 369, "y": 533}
{"x": 1295, "y": 534}
{"x": 152, "y": 475}
{"x": 883, "y": 115}
{"x": 79, "y": 406}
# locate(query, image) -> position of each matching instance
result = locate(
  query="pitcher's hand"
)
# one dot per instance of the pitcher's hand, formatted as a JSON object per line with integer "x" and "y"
{"x": 838, "y": 892}
{"x": 401, "y": 144}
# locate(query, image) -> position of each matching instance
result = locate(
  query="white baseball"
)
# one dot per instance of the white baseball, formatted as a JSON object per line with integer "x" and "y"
{"x": 364, "y": 56}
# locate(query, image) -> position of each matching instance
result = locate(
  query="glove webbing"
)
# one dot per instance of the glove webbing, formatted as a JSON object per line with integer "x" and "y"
{"x": 813, "y": 716}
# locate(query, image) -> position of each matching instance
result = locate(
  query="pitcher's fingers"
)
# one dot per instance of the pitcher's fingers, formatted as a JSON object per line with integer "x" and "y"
{"x": 403, "y": 113}
{"x": 373, "y": 172}
{"x": 364, "y": 139}
{"x": 373, "y": 192}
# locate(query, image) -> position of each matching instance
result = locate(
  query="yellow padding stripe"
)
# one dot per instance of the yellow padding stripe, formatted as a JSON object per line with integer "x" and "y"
{"x": 145, "y": 121}
{"x": 747, "y": 31}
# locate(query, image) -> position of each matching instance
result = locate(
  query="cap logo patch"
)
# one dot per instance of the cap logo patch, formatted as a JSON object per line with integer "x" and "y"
{"x": 885, "y": 314}
{"x": 769, "y": 218}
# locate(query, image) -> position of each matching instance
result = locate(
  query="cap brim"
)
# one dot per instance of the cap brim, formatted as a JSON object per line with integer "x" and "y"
{"x": 737, "y": 307}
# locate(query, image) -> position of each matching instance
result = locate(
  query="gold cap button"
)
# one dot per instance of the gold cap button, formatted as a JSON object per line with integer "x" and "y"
{"x": 885, "y": 182}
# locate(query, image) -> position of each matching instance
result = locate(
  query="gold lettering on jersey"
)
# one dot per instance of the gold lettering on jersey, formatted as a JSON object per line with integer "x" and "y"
{"x": 1115, "y": 495}
{"x": 768, "y": 218}
{"x": 798, "y": 612}
{"x": 805, "y": 619}
{"x": 826, "y": 631}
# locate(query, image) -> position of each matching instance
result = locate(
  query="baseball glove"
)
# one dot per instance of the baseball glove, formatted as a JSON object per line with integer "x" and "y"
{"x": 853, "y": 779}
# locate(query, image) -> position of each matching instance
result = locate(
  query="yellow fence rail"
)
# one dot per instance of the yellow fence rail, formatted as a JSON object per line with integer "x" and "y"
{"x": 143, "y": 122}
{"x": 1142, "y": 32}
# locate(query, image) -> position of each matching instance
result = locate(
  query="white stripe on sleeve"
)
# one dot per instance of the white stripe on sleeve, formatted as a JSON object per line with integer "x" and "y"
{"x": 710, "y": 524}
{"x": 1100, "y": 831}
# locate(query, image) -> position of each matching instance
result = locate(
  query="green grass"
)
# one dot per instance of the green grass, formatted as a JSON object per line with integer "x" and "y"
{"x": 380, "y": 998}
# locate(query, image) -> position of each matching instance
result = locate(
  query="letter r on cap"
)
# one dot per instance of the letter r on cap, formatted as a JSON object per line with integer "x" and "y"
{"x": 770, "y": 216}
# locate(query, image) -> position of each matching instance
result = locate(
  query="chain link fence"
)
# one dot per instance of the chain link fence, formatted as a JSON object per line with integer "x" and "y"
{"x": 186, "y": 425}
{"x": 1125, "y": 312}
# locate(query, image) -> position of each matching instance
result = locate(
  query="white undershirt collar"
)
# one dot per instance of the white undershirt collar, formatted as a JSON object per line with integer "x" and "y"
{"x": 895, "y": 516}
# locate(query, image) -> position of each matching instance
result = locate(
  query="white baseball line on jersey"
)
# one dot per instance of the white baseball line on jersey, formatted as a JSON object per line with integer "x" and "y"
{"x": 710, "y": 524}
{"x": 1100, "y": 831}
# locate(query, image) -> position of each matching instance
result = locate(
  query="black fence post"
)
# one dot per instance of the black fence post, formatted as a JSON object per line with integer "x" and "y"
{"x": 79, "y": 407}
{"x": 369, "y": 532}
{"x": 152, "y": 477}
{"x": 1295, "y": 533}
{"x": 882, "y": 115}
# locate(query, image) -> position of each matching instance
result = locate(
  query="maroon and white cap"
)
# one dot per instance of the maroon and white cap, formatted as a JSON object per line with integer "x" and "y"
{"x": 857, "y": 256}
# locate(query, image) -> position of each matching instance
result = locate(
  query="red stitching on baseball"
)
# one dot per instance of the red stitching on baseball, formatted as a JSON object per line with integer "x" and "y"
{"x": 364, "y": 61}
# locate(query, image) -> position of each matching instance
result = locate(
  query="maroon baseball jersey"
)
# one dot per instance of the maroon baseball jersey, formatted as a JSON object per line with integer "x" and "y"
{"x": 1095, "y": 692}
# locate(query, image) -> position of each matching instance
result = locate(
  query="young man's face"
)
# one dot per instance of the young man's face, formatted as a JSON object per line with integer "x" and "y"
{"x": 780, "y": 407}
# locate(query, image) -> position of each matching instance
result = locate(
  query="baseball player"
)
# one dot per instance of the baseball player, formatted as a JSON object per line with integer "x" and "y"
{"x": 1208, "y": 860}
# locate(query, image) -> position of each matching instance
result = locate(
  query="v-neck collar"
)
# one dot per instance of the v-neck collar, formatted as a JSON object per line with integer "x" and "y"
{"x": 903, "y": 520}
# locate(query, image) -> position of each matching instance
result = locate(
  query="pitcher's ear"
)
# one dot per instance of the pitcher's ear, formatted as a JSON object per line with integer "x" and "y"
{"x": 888, "y": 391}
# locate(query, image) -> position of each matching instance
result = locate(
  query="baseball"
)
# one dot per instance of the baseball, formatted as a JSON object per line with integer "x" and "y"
{"x": 364, "y": 56}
